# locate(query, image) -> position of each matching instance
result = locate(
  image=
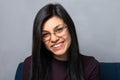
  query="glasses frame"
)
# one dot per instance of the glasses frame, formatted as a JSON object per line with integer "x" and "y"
{"x": 55, "y": 32}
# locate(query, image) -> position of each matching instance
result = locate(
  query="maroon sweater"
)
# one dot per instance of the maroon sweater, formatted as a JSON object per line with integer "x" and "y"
{"x": 90, "y": 67}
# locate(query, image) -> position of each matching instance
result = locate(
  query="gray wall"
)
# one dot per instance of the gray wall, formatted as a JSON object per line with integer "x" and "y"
{"x": 97, "y": 23}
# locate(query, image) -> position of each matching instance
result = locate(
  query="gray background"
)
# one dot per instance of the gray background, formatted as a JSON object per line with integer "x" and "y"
{"x": 97, "y": 23}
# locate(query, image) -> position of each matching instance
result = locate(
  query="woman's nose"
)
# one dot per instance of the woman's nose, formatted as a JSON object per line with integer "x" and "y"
{"x": 54, "y": 38}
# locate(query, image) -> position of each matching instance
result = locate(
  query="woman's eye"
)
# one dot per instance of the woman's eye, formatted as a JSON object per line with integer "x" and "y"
{"x": 59, "y": 30}
{"x": 45, "y": 35}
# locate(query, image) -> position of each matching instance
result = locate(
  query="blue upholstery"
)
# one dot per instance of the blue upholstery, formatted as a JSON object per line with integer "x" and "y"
{"x": 18, "y": 75}
{"x": 108, "y": 71}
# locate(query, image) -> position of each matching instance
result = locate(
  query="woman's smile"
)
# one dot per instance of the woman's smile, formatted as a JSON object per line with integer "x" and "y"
{"x": 58, "y": 46}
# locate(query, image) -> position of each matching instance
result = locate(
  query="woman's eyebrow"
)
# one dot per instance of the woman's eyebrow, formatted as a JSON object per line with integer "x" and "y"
{"x": 54, "y": 28}
{"x": 44, "y": 31}
{"x": 58, "y": 26}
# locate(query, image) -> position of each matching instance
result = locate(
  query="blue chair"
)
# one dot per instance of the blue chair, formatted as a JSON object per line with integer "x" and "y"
{"x": 108, "y": 71}
{"x": 18, "y": 75}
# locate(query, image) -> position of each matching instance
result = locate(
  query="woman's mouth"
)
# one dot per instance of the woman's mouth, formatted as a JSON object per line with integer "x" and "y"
{"x": 58, "y": 46}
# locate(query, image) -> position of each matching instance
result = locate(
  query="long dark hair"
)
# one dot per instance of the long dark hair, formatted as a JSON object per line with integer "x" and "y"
{"x": 41, "y": 57}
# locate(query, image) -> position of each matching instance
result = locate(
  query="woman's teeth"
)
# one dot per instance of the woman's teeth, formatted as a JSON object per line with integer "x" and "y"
{"x": 57, "y": 45}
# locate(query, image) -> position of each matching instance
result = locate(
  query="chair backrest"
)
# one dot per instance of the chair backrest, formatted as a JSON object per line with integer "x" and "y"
{"x": 18, "y": 75}
{"x": 110, "y": 71}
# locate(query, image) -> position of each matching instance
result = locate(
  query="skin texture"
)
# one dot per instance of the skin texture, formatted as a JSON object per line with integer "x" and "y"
{"x": 58, "y": 45}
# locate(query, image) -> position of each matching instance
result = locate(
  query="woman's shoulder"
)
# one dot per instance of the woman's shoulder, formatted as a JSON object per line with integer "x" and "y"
{"x": 91, "y": 67}
{"x": 27, "y": 63}
{"x": 26, "y": 68}
{"x": 28, "y": 59}
{"x": 89, "y": 59}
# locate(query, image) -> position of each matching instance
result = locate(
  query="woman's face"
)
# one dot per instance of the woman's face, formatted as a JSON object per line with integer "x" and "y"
{"x": 56, "y": 37}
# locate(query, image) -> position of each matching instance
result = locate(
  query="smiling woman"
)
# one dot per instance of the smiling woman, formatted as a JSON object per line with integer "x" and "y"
{"x": 58, "y": 42}
{"x": 55, "y": 53}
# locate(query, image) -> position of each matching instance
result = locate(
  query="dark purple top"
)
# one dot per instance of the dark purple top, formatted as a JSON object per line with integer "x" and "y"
{"x": 91, "y": 69}
{"x": 59, "y": 70}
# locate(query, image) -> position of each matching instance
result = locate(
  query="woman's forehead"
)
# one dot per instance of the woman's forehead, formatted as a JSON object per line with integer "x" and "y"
{"x": 52, "y": 23}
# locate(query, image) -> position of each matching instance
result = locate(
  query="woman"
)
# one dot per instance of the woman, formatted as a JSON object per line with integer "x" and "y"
{"x": 55, "y": 53}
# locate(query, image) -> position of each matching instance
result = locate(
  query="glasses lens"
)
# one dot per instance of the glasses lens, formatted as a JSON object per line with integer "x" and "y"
{"x": 46, "y": 36}
{"x": 59, "y": 31}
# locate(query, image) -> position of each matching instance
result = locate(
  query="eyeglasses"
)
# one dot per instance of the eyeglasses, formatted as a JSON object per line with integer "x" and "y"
{"x": 59, "y": 31}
